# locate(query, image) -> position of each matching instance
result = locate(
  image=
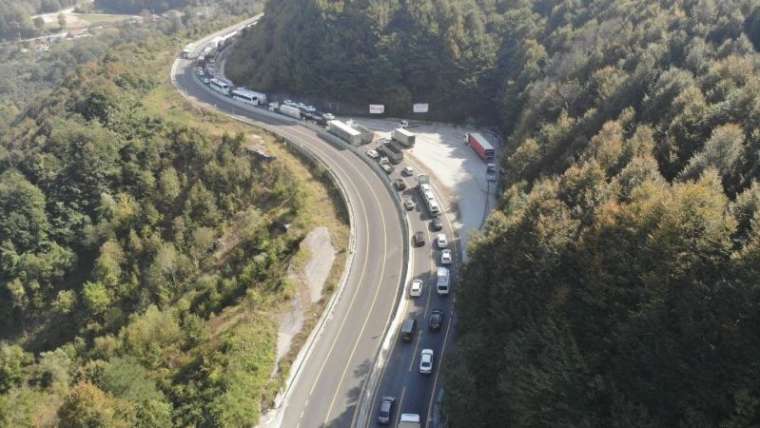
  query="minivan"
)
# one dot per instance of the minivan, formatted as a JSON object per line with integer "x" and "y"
{"x": 407, "y": 330}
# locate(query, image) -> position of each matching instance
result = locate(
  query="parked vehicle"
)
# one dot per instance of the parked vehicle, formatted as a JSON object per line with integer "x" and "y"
{"x": 372, "y": 154}
{"x": 388, "y": 168}
{"x": 344, "y": 131}
{"x": 415, "y": 288}
{"x": 407, "y": 171}
{"x": 399, "y": 184}
{"x": 436, "y": 320}
{"x": 289, "y": 110}
{"x": 409, "y": 204}
{"x": 409, "y": 420}
{"x": 407, "y": 329}
{"x": 426, "y": 361}
{"x": 481, "y": 146}
{"x": 436, "y": 224}
{"x": 419, "y": 239}
{"x": 442, "y": 280}
{"x": 386, "y": 410}
{"x": 441, "y": 241}
{"x": 403, "y": 136}
{"x": 394, "y": 157}
{"x": 446, "y": 257}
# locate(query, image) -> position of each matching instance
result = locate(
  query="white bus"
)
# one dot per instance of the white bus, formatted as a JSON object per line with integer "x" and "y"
{"x": 250, "y": 97}
{"x": 220, "y": 86}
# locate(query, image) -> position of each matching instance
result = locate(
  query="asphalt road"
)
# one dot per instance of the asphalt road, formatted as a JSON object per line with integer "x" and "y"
{"x": 328, "y": 385}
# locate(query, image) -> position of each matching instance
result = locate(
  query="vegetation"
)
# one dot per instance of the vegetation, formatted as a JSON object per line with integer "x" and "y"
{"x": 15, "y": 16}
{"x": 616, "y": 283}
{"x": 142, "y": 254}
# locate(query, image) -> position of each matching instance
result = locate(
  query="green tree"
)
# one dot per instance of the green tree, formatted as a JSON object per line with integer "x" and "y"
{"x": 13, "y": 359}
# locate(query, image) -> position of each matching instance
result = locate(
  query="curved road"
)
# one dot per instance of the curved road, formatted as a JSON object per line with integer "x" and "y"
{"x": 327, "y": 387}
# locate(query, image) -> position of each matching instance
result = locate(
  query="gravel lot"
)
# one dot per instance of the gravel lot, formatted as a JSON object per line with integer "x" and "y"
{"x": 457, "y": 171}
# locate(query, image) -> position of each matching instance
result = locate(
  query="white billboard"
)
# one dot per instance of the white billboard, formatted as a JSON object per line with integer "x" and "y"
{"x": 376, "y": 108}
{"x": 420, "y": 107}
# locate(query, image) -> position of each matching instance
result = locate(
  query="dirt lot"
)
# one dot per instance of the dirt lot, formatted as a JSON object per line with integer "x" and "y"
{"x": 459, "y": 172}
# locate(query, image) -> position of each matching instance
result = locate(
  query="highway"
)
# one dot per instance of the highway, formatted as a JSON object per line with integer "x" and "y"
{"x": 329, "y": 385}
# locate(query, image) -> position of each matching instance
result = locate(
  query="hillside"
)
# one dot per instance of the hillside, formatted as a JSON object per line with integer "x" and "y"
{"x": 616, "y": 283}
{"x": 142, "y": 254}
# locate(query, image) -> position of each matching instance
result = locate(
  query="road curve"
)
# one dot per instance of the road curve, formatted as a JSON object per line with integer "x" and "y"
{"x": 326, "y": 388}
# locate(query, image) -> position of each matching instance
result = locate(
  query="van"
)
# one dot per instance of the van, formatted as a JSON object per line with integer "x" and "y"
{"x": 442, "y": 281}
{"x": 407, "y": 329}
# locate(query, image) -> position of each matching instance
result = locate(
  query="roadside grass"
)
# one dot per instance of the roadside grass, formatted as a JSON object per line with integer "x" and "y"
{"x": 322, "y": 206}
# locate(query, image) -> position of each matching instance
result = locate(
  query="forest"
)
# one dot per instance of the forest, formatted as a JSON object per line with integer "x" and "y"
{"x": 139, "y": 257}
{"x": 616, "y": 284}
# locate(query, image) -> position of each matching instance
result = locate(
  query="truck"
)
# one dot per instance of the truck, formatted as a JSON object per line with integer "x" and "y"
{"x": 344, "y": 131}
{"x": 409, "y": 420}
{"x": 291, "y": 111}
{"x": 395, "y": 148}
{"x": 403, "y": 136}
{"x": 394, "y": 157}
{"x": 481, "y": 146}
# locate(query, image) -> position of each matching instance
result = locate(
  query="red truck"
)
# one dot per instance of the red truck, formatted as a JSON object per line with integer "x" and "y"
{"x": 482, "y": 147}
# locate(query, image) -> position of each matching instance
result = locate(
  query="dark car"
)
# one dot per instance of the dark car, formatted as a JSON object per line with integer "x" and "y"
{"x": 436, "y": 319}
{"x": 386, "y": 409}
{"x": 399, "y": 184}
{"x": 436, "y": 224}
{"x": 419, "y": 239}
{"x": 407, "y": 329}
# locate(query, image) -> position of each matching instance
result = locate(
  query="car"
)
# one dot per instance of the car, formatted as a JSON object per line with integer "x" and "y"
{"x": 407, "y": 329}
{"x": 372, "y": 154}
{"x": 407, "y": 171}
{"x": 388, "y": 168}
{"x": 415, "y": 288}
{"x": 399, "y": 184}
{"x": 419, "y": 239}
{"x": 384, "y": 141}
{"x": 436, "y": 224}
{"x": 446, "y": 257}
{"x": 409, "y": 204}
{"x": 404, "y": 123}
{"x": 441, "y": 241}
{"x": 386, "y": 409}
{"x": 329, "y": 116}
{"x": 436, "y": 320}
{"x": 428, "y": 195}
{"x": 382, "y": 159}
{"x": 426, "y": 361}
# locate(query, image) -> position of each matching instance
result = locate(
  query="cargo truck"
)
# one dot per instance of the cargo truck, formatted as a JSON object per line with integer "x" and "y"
{"x": 395, "y": 148}
{"x": 481, "y": 146}
{"x": 291, "y": 111}
{"x": 406, "y": 138}
{"x": 345, "y": 132}
{"x": 394, "y": 157}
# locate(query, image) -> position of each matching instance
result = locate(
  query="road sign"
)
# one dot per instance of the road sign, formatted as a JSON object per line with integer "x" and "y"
{"x": 420, "y": 107}
{"x": 376, "y": 108}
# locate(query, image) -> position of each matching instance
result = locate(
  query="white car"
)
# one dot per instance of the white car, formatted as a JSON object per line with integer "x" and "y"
{"x": 407, "y": 171}
{"x": 426, "y": 361}
{"x": 372, "y": 154}
{"x": 329, "y": 116}
{"x": 446, "y": 257}
{"x": 441, "y": 241}
{"x": 415, "y": 289}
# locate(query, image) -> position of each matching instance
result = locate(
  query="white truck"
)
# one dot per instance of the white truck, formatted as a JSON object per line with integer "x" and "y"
{"x": 409, "y": 420}
{"x": 406, "y": 138}
{"x": 289, "y": 110}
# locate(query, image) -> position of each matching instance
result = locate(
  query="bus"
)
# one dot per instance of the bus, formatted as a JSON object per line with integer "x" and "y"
{"x": 249, "y": 97}
{"x": 220, "y": 86}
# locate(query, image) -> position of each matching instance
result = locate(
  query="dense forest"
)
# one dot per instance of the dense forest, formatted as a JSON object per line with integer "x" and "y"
{"x": 617, "y": 282}
{"x": 138, "y": 258}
